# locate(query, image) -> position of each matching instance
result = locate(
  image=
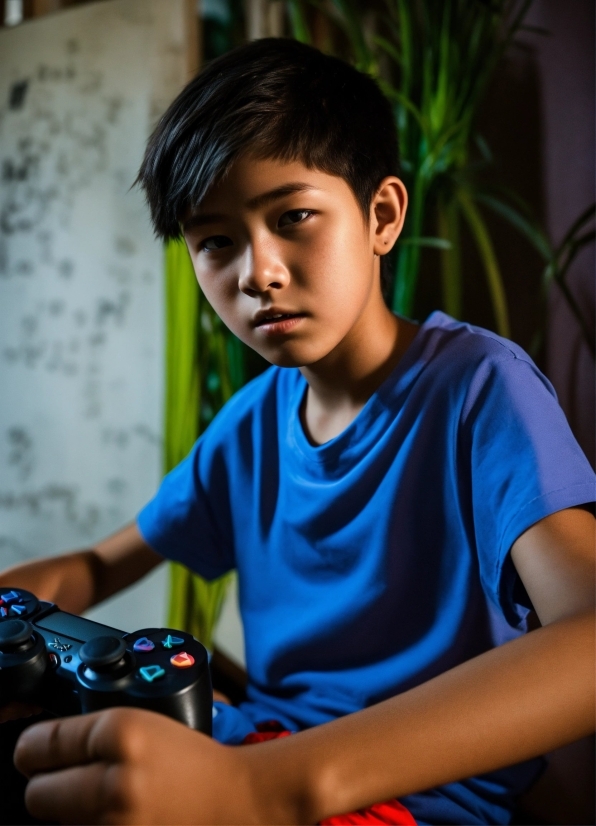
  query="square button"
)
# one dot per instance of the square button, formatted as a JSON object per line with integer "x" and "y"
{"x": 149, "y": 673}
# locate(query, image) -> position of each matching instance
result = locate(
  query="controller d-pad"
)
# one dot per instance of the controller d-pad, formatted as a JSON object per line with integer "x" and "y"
{"x": 172, "y": 642}
{"x": 149, "y": 673}
{"x": 10, "y": 597}
{"x": 17, "y": 603}
{"x": 18, "y": 610}
{"x": 182, "y": 660}
{"x": 143, "y": 644}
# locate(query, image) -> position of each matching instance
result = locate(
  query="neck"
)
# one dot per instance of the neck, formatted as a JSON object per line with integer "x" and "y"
{"x": 342, "y": 382}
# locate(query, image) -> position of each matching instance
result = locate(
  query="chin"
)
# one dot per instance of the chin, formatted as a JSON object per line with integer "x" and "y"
{"x": 283, "y": 360}
{"x": 292, "y": 357}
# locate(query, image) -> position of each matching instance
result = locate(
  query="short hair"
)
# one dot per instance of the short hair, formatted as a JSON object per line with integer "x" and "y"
{"x": 277, "y": 99}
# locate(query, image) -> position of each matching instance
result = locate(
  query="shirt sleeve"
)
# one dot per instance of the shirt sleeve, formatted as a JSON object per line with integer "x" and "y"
{"x": 181, "y": 522}
{"x": 524, "y": 465}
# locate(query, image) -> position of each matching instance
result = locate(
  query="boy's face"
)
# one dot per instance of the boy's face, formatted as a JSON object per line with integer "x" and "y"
{"x": 285, "y": 258}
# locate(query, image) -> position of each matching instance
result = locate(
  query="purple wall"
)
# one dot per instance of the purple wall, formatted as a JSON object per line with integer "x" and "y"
{"x": 566, "y": 69}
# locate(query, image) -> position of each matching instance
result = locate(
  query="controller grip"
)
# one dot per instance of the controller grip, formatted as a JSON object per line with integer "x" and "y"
{"x": 191, "y": 706}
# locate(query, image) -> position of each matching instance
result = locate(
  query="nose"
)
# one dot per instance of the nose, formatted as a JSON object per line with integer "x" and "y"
{"x": 262, "y": 270}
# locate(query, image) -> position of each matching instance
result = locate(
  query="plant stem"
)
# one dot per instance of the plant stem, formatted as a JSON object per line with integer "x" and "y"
{"x": 448, "y": 225}
{"x": 408, "y": 262}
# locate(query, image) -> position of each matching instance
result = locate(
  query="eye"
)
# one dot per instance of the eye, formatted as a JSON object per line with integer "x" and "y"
{"x": 294, "y": 216}
{"x": 215, "y": 242}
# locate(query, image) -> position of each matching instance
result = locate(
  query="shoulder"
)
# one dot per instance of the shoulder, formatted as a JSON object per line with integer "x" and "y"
{"x": 469, "y": 344}
{"x": 470, "y": 358}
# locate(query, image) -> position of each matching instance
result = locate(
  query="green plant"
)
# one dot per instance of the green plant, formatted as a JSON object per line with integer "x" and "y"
{"x": 434, "y": 60}
{"x": 223, "y": 26}
{"x": 557, "y": 259}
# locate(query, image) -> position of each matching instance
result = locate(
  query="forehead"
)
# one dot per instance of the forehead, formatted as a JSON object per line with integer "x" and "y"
{"x": 253, "y": 183}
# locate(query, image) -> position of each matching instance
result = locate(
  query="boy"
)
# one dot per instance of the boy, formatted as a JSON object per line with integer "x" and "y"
{"x": 394, "y": 502}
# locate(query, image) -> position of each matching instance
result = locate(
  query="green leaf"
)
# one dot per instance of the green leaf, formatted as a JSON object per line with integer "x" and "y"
{"x": 585, "y": 217}
{"x": 352, "y": 25}
{"x": 535, "y": 235}
{"x": 398, "y": 97}
{"x": 451, "y": 274}
{"x": 298, "y": 22}
{"x": 389, "y": 48}
{"x": 425, "y": 241}
{"x": 489, "y": 259}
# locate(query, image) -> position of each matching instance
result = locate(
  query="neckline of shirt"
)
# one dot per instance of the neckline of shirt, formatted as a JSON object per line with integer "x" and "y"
{"x": 355, "y": 438}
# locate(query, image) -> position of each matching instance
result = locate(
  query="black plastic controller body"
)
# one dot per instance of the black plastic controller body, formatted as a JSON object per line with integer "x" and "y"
{"x": 70, "y": 665}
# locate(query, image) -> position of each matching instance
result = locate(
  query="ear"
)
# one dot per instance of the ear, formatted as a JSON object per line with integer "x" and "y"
{"x": 388, "y": 211}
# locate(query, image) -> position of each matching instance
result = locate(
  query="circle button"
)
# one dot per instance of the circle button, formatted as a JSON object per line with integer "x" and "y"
{"x": 182, "y": 660}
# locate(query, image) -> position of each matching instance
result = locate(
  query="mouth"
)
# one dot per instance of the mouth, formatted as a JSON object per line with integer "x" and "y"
{"x": 277, "y": 321}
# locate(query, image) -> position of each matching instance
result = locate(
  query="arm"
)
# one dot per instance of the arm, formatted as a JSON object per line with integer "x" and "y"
{"x": 529, "y": 696}
{"x": 78, "y": 580}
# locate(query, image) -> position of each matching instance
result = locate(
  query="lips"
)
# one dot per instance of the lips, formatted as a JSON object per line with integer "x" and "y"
{"x": 274, "y": 316}
{"x": 277, "y": 322}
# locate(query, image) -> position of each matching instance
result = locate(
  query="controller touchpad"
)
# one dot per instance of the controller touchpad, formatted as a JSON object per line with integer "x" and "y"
{"x": 77, "y": 628}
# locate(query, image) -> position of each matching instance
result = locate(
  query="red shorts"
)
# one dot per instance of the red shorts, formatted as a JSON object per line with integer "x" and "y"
{"x": 389, "y": 812}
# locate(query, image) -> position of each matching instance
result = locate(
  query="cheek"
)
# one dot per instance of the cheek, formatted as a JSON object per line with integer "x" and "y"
{"x": 337, "y": 265}
{"x": 221, "y": 292}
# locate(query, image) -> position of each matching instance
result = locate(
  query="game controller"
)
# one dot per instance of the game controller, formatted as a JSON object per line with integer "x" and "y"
{"x": 70, "y": 665}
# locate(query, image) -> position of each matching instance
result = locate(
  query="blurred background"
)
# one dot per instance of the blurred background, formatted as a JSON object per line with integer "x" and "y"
{"x": 112, "y": 363}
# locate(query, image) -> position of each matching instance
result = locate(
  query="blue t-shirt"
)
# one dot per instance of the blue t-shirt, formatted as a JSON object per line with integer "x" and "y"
{"x": 380, "y": 559}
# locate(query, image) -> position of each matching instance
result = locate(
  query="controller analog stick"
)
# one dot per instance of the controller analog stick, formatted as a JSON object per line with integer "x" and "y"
{"x": 15, "y": 635}
{"x": 102, "y": 653}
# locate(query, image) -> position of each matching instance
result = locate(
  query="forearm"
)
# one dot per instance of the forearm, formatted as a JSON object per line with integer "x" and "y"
{"x": 68, "y": 580}
{"x": 76, "y": 581}
{"x": 515, "y": 702}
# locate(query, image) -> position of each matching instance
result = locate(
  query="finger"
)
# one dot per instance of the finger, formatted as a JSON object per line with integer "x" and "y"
{"x": 16, "y": 711}
{"x": 53, "y": 745}
{"x": 74, "y": 795}
{"x": 102, "y": 736}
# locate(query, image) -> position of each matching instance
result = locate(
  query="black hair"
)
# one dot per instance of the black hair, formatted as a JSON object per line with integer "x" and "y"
{"x": 277, "y": 99}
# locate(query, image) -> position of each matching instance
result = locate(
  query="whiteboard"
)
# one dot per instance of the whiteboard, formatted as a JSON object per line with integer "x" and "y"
{"x": 81, "y": 293}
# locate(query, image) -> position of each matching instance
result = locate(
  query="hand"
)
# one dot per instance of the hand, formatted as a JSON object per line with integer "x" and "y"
{"x": 133, "y": 766}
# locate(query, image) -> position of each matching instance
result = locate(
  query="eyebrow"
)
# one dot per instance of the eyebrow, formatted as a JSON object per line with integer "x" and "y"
{"x": 201, "y": 218}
